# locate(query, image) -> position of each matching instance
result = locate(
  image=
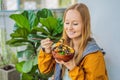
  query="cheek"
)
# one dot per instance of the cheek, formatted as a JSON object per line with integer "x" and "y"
{"x": 78, "y": 30}
{"x": 65, "y": 27}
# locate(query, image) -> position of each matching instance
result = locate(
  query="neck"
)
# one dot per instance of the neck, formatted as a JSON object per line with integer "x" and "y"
{"x": 75, "y": 44}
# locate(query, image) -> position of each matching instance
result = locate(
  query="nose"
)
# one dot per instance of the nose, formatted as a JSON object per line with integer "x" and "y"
{"x": 70, "y": 26}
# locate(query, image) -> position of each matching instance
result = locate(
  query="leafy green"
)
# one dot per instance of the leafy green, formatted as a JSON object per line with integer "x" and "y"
{"x": 62, "y": 52}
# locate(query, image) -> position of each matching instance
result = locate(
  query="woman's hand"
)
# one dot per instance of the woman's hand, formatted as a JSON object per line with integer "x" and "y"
{"x": 46, "y": 44}
{"x": 70, "y": 64}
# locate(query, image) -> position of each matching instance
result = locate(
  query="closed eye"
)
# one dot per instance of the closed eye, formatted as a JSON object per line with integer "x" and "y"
{"x": 66, "y": 23}
{"x": 75, "y": 24}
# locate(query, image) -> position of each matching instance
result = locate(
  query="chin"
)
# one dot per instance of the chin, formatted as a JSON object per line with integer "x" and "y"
{"x": 74, "y": 36}
{"x": 71, "y": 37}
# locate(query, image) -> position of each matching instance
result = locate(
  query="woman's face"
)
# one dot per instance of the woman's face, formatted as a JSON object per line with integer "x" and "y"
{"x": 73, "y": 24}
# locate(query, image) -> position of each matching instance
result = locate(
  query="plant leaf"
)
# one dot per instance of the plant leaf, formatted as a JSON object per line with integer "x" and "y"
{"x": 36, "y": 36}
{"x": 59, "y": 28}
{"x": 21, "y": 21}
{"x": 29, "y": 53}
{"x": 20, "y": 54}
{"x": 27, "y": 66}
{"x": 50, "y": 23}
{"x": 20, "y": 33}
{"x": 44, "y": 13}
{"x": 25, "y": 13}
{"x": 32, "y": 18}
{"x": 19, "y": 66}
{"x": 41, "y": 29}
{"x": 17, "y": 42}
{"x": 26, "y": 76}
{"x": 35, "y": 62}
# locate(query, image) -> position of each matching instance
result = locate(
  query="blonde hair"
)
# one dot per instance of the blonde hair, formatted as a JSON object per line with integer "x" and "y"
{"x": 86, "y": 31}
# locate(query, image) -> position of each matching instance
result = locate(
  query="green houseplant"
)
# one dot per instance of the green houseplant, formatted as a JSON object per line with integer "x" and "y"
{"x": 30, "y": 27}
{"x": 7, "y": 70}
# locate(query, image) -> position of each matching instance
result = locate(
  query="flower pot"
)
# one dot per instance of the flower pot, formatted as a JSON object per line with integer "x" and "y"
{"x": 10, "y": 74}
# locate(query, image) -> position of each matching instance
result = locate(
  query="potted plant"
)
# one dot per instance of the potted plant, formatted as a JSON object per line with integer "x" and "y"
{"x": 7, "y": 60}
{"x": 30, "y": 27}
{"x": 8, "y": 71}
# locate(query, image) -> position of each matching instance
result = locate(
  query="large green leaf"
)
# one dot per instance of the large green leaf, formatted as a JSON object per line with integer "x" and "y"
{"x": 33, "y": 19}
{"x": 17, "y": 42}
{"x": 34, "y": 70}
{"x": 59, "y": 28}
{"x": 20, "y": 54}
{"x": 27, "y": 66}
{"x": 27, "y": 52}
{"x": 54, "y": 26}
{"x": 19, "y": 66}
{"x": 20, "y": 33}
{"x": 35, "y": 62}
{"x": 44, "y": 13}
{"x": 37, "y": 36}
{"x": 41, "y": 29}
{"x": 54, "y": 39}
{"x": 45, "y": 23}
{"x": 50, "y": 23}
{"x": 26, "y": 76}
{"x": 21, "y": 21}
{"x": 25, "y": 13}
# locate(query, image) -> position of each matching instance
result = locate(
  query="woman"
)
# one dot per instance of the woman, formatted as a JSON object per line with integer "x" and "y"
{"x": 88, "y": 62}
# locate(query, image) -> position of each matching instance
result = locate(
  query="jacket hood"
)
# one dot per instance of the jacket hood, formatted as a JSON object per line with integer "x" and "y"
{"x": 91, "y": 47}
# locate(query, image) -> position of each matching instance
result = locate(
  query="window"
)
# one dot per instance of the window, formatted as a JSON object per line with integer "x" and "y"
{"x": 34, "y": 4}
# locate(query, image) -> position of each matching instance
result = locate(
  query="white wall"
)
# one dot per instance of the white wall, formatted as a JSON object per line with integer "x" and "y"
{"x": 6, "y": 23}
{"x": 105, "y": 21}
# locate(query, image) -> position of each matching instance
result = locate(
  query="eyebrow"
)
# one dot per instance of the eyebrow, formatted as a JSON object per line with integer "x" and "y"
{"x": 73, "y": 20}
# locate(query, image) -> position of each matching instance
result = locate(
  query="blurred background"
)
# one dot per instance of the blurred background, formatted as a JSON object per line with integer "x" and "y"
{"x": 34, "y": 4}
{"x": 105, "y": 19}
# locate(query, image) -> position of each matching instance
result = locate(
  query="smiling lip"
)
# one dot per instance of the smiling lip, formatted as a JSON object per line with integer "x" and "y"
{"x": 71, "y": 33}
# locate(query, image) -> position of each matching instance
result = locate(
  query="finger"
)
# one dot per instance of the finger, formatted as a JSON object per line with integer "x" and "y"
{"x": 48, "y": 47}
{"x": 57, "y": 61}
{"x": 45, "y": 40}
{"x": 60, "y": 62}
{"x": 48, "y": 39}
{"x": 46, "y": 44}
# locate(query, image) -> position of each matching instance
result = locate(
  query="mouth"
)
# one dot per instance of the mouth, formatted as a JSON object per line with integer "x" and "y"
{"x": 70, "y": 33}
